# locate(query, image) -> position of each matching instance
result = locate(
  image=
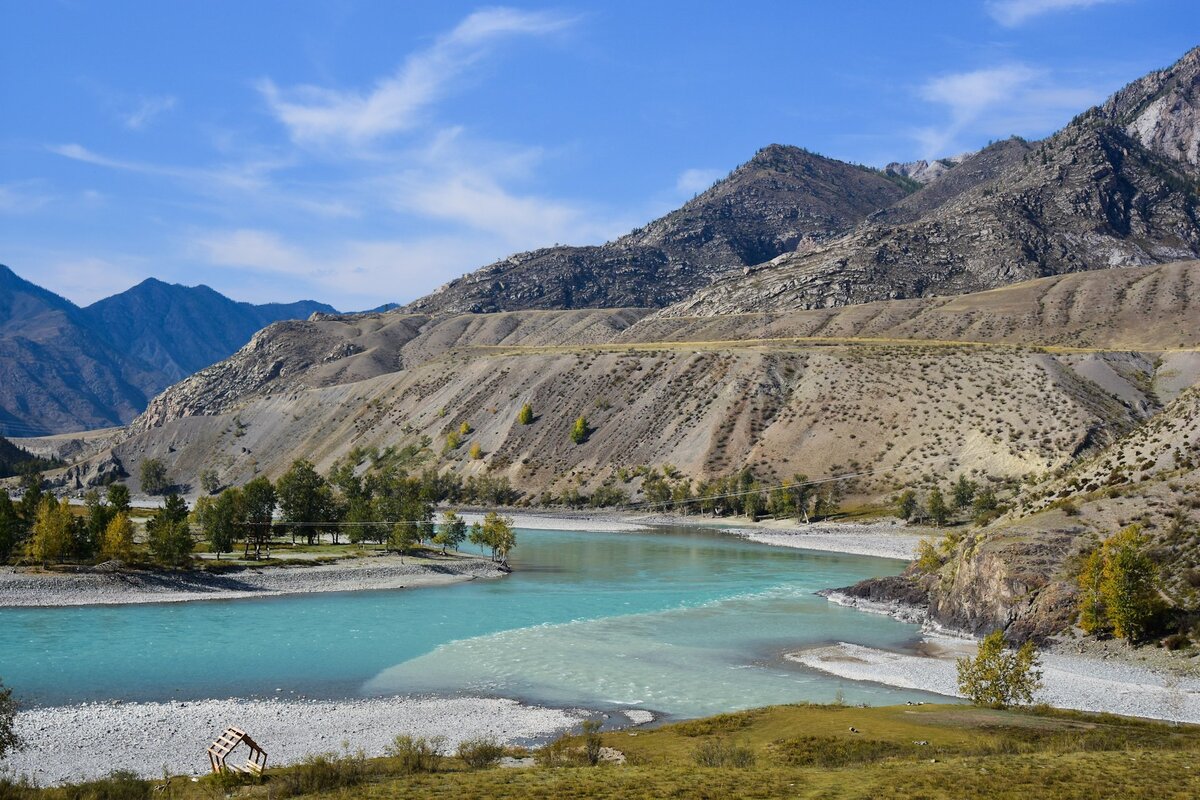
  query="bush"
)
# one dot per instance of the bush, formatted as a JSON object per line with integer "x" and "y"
{"x": 999, "y": 678}
{"x": 417, "y": 755}
{"x": 592, "y": 743}
{"x": 817, "y": 751}
{"x": 119, "y": 785}
{"x": 321, "y": 773}
{"x": 721, "y": 723}
{"x": 723, "y": 753}
{"x": 482, "y": 752}
{"x": 562, "y": 752}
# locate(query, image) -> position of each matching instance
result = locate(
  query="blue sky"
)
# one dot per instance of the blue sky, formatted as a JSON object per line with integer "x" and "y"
{"x": 364, "y": 152}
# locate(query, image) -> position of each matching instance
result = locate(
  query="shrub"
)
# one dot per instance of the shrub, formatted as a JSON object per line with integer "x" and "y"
{"x": 321, "y": 773}
{"x": 417, "y": 755}
{"x": 525, "y": 417}
{"x": 556, "y": 754}
{"x": 592, "y": 743}
{"x": 818, "y": 751}
{"x": 999, "y": 678}
{"x": 118, "y": 785}
{"x": 481, "y": 752}
{"x": 721, "y": 723}
{"x": 723, "y": 753}
{"x": 10, "y": 742}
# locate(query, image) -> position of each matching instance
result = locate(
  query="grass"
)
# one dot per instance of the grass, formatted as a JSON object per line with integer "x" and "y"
{"x": 805, "y": 751}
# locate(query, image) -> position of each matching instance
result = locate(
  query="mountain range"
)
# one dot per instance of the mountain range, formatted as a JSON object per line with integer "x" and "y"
{"x": 1027, "y": 315}
{"x": 63, "y": 367}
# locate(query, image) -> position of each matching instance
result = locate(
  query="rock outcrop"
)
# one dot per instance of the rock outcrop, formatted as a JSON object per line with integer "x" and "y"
{"x": 782, "y": 199}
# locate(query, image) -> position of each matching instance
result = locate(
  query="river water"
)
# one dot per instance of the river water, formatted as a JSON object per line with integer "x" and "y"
{"x": 681, "y": 621}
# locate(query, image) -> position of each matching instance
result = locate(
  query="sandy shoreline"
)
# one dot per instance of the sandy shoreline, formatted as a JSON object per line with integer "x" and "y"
{"x": 883, "y": 539}
{"x": 24, "y": 589}
{"x": 879, "y": 539}
{"x": 1069, "y": 681}
{"x": 81, "y": 742}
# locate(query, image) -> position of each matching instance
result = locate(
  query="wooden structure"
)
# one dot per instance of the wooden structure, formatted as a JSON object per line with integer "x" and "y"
{"x": 226, "y": 743}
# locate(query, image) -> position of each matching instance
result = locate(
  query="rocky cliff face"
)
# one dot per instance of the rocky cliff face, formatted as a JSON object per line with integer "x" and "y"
{"x": 783, "y": 198}
{"x": 1162, "y": 110}
{"x": 1116, "y": 187}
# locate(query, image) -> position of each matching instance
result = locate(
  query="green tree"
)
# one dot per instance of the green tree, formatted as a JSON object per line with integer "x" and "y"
{"x": 465, "y": 429}
{"x": 476, "y": 451}
{"x": 997, "y": 677}
{"x": 452, "y": 533}
{"x": 52, "y": 531}
{"x": 168, "y": 534}
{"x": 476, "y": 536}
{"x": 118, "y": 498}
{"x": 985, "y": 504}
{"x": 154, "y": 476}
{"x": 258, "y": 508}
{"x": 964, "y": 493}
{"x": 10, "y": 742}
{"x": 580, "y": 431}
{"x": 10, "y": 527}
{"x": 98, "y": 515}
{"x": 1129, "y": 584}
{"x": 906, "y": 506}
{"x": 498, "y": 534}
{"x": 937, "y": 508}
{"x": 802, "y": 492}
{"x": 525, "y": 415}
{"x": 170, "y": 542}
{"x": 306, "y": 501}
{"x": 31, "y": 497}
{"x": 209, "y": 482}
{"x": 1093, "y": 616}
{"x": 219, "y": 519}
{"x": 118, "y": 538}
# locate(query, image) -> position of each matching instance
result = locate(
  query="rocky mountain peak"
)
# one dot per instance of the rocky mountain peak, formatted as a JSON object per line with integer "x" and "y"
{"x": 1162, "y": 110}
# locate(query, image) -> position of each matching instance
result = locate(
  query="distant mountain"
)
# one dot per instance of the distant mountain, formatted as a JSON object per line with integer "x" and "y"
{"x": 1119, "y": 186}
{"x": 178, "y": 330}
{"x": 66, "y": 368}
{"x": 925, "y": 171}
{"x": 783, "y": 198}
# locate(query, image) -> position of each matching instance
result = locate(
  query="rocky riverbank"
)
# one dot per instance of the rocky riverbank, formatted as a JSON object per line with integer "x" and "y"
{"x": 99, "y": 587}
{"x": 81, "y": 742}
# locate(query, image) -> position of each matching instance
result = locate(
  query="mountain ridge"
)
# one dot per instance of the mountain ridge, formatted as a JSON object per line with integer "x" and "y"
{"x": 64, "y": 367}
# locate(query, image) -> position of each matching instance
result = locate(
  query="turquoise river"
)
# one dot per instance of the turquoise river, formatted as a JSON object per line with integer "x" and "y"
{"x": 681, "y": 621}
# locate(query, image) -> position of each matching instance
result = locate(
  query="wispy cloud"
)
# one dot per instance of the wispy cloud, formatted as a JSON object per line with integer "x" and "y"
{"x": 146, "y": 110}
{"x": 694, "y": 181}
{"x": 317, "y": 114}
{"x": 1011, "y": 13}
{"x": 362, "y": 272}
{"x": 22, "y": 197}
{"x": 997, "y": 102}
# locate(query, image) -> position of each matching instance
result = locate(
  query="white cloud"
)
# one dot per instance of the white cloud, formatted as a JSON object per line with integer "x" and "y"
{"x": 146, "y": 110}
{"x": 350, "y": 274}
{"x": 394, "y": 104}
{"x": 694, "y": 181}
{"x": 997, "y": 102}
{"x": 22, "y": 197}
{"x": 1011, "y": 13}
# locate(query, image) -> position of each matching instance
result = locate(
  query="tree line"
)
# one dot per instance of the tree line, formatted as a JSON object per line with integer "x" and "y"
{"x": 387, "y": 507}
